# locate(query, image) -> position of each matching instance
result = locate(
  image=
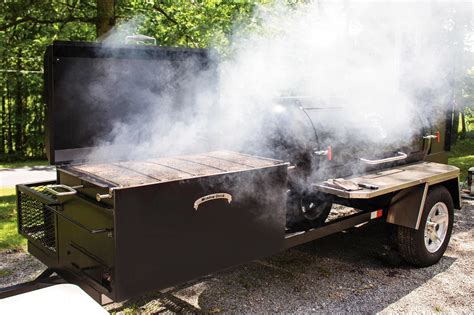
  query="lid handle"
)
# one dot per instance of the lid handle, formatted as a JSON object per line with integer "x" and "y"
{"x": 139, "y": 38}
{"x": 61, "y": 190}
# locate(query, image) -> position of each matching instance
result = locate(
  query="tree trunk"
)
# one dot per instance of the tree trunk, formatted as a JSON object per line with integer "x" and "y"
{"x": 40, "y": 127}
{"x": 38, "y": 123}
{"x": 10, "y": 123}
{"x": 2, "y": 141}
{"x": 105, "y": 17}
{"x": 455, "y": 126}
{"x": 19, "y": 108}
{"x": 458, "y": 32}
{"x": 463, "y": 125}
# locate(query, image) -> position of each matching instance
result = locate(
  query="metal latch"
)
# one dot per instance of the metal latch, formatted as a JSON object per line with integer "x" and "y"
{"x": 436, "y": 136}
{"x": 327, "y": 153}
{"x": 99, "y": 197}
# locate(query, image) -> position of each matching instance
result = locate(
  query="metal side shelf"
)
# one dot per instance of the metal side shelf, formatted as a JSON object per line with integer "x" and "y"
{"x": 394, "y": 179}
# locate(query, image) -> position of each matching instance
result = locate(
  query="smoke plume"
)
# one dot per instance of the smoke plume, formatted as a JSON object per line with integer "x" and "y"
{"x": 379, "y": 73}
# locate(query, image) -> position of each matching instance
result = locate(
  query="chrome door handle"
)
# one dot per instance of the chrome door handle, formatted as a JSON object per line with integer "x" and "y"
{"x": 398, "y": 157}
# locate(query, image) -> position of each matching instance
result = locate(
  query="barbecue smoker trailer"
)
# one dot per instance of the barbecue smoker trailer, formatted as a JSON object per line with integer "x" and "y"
{"x": 125, "y": 228}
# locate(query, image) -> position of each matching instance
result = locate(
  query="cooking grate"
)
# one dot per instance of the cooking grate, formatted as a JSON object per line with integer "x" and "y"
{"x": 36, "y": 221}
{"x": 130, "y": 173}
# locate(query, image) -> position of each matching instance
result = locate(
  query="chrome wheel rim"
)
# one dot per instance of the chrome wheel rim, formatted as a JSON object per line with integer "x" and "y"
{"x": 436, "y": 227}
{"x": 312, "y": 209}
{"x": 308, "y": 210}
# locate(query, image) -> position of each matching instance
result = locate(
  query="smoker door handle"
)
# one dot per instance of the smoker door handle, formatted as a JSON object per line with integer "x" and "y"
{"x": 400, "y": 156}
{"x": 140, "y": 38}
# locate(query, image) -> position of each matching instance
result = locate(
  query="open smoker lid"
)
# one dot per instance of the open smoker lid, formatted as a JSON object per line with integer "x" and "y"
{"x": 91, "y": 88}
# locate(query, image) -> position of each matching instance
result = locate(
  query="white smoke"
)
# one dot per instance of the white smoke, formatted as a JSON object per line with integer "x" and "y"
{"x": 376, "y": 71}
{"x": 372, "y": 58}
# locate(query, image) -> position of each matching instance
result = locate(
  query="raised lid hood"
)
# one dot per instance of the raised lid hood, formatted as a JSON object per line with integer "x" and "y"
{"x": 92, "y": 87}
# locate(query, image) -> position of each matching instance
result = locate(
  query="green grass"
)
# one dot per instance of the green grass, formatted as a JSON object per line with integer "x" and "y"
{"x": 9, "y": 237}
{"x": 462, "y": 156}
{"x": 23, "y": 163}
{"x": 5, "y": 272}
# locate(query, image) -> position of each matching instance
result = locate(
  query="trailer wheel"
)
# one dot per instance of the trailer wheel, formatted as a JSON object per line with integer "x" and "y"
{"x": 425, "y": 246}
{"x": 306, "y": 212}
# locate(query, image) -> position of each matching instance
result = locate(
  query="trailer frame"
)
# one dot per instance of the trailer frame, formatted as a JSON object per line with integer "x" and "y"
{"x": 399, "y": 204}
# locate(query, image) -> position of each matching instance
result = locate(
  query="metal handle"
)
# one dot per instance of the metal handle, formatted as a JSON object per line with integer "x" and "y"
{"x": 140, "y": 38}
{"x": 327, "y": 153}
{"x": 398, "y": 157}
{"x": 436, "y": 136}
{"x": 69, "y": 190}
{"x": 82, "y": 226}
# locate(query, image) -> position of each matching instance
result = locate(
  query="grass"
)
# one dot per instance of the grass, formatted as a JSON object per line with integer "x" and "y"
{"x": 462, "y": 156}
{"x": 23, "y": 163}
{"x": 9, "y": 237}
{"x": 5, "y": 272}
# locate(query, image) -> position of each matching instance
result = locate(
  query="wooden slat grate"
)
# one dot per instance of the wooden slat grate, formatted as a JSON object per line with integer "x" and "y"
{"x": 138, "y": 172}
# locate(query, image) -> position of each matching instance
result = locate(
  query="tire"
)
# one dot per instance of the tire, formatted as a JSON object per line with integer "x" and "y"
{"x": 306, "y": 212}
{"x": 425, "y": 247}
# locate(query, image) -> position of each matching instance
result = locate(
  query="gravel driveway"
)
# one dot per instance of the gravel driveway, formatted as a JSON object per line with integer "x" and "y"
{"x": 354, "y": 271}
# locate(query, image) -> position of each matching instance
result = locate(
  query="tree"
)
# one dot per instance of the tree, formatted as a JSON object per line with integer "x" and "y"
{"x": 105, "y": 17}
{"x": 27, "y": 27}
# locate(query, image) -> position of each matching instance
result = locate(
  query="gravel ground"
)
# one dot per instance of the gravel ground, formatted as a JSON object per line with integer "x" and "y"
{"x": 354, "y": 271}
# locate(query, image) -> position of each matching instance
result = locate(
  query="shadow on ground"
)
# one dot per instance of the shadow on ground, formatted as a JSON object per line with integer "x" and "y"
{"x": 355, "y": 271}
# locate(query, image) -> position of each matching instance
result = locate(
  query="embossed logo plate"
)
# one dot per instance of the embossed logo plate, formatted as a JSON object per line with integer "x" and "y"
{"x": 210, "y": 197}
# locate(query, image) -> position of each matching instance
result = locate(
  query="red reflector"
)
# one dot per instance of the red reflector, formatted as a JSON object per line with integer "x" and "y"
{"x": 376, "y": 214}
{"x": 329, "y": 153}
{"x": 438, "y": 136}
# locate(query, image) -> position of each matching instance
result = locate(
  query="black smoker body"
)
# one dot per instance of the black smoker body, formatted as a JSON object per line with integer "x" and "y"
{"x": 125, "y": 233}
{"x": 125, "y": 228}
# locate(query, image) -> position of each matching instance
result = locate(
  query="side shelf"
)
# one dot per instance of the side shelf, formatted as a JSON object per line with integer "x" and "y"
{"x": 394, "y": 179}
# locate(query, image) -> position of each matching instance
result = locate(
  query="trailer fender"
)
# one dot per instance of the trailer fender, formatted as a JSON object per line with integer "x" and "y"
{"x": 453, "y": 187}
{"x": 406, "y": 207}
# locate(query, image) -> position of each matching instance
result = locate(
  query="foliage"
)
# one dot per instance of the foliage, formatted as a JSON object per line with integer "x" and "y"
{"x": 28, "y": 26}
{"x": 26, "y": 163}
{"x": 9, "y": 237}
{"x": 468, "y": 99}
{"x": 462, "y": 155}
